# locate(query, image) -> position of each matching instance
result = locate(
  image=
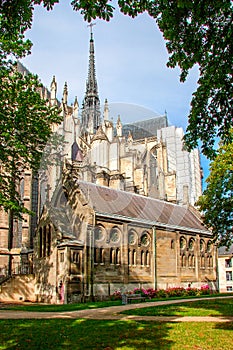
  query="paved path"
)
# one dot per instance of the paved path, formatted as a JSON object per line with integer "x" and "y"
{"x": 114, "y": 313}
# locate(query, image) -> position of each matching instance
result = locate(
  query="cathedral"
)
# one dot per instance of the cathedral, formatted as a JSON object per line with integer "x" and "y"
{"x": 114, "y": 212}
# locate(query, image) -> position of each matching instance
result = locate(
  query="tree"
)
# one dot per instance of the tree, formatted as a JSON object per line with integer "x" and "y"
{"x": 217, "y": 200}
{"x": 25, "y": 124}
{"x": 197, "y": 32}
{"x": 25, "y": 118}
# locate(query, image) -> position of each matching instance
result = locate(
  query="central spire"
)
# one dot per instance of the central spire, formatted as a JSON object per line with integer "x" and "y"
{"x": 91, "y": 102}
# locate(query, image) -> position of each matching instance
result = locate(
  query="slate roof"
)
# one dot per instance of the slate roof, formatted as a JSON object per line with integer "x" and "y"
{"x": 115, "y": 203}
{"x": 145, "y": 128}
{"x": 225, "y": 250}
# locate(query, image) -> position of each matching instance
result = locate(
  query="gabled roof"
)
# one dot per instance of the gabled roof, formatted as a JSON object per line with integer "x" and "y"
{"x": 225, "y": 250}
{"x": 133, "y": 207}
{"x": 145, "y": 128}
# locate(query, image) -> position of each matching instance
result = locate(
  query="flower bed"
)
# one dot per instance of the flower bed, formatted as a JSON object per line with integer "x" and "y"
{"x": 151, "y": 293}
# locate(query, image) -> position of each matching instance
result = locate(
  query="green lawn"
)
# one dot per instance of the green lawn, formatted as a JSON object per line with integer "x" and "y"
{"x": 216, "y": 307}
{"x": 82, "y": 334}
{"x": 83, "y": 306}
{"x": 58, "y": 308}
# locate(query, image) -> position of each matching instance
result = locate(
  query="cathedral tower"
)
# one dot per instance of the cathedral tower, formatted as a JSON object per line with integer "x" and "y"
{"x": 91, "y": 102}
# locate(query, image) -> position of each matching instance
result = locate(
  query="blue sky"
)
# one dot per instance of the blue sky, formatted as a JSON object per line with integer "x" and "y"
{"x": 130, "y": 63}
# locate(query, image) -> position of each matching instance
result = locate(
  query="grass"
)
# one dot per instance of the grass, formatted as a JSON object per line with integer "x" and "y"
{"x": 216, "y": 307}
{"x": 82, "y": 334}
{"x": 59, "y": 308}
{"x": 82, "y": 306}
{"x": 62, "y": 334}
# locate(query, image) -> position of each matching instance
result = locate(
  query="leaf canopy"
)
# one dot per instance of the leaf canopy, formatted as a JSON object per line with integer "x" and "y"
{"x": 217, "y": 200}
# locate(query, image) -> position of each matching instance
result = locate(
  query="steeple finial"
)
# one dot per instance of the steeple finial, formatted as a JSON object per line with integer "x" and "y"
{"x": 53, "y": 91}
{"x": 106, "y": 110}
{"x": 91, "y": 102}
{"x": 65, "y": 93}
{"x": 91, "y": 25}
{"x": 75, "y": 108}
{"x": 119, "y": 126}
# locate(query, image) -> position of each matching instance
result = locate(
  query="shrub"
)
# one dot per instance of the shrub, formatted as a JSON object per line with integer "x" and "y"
{"x": 116, "y": 295}
{"x": 205, "y": 290}
{"x": 151, "y": 293}
{"x": 176, "y": 292}
{"x": 161, "y": 293}
{"x": 137, "y": 291}
{"x": 192, "y": 291}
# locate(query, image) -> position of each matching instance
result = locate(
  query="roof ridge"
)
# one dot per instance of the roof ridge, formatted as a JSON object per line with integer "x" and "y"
{"x": 135, "y": 194}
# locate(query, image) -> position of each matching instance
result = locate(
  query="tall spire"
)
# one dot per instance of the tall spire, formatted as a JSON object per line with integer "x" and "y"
{"x": 91, "y": 102}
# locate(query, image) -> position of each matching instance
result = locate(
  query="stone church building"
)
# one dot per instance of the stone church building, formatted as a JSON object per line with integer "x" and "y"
{"x": 116, "y": 212}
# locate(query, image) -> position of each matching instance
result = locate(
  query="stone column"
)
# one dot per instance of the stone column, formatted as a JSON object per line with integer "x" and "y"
{"x": 125, "y": 254}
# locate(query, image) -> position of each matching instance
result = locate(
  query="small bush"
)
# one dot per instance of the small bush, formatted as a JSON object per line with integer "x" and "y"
{"x": 161, "y": 293}
{"x": 192, "y": 291}
{"x": 176, "y": 292}
{"x": 151, "y": 293}
{"x": 116, "y": 295}
{"x": 205, "y": 290}
{"x": 138, "y": 291}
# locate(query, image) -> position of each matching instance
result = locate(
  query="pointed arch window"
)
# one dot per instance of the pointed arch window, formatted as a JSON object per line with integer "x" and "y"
{"x": 182, "y": 243}
{"x": 49, "y": 241}
{"x": 44, "y": 241}
{"x": 147, "y": 258}
{"x": 102, "y": 260}
{"x": 112, "y": 256}
{"x": 129, "y": 257}
{"x": 40, "y": 242}
{"x": 202, "y": 261}
{"x": 183, "y": 260}
{"x": 118, "y": 256}
{"x": 202, "y": 245}
{"x": 209, "y": 246}
{"x": 210, "y": 261}
{"x": 142, "y": 257}
{"x": 189, "y": 260}
{"x": 191, "y": 244}
{"x": 172, "y": 244}
{"x": 193, "y": 261}
{"x": 95, "y": 255}
{"x": 134, "y": 258}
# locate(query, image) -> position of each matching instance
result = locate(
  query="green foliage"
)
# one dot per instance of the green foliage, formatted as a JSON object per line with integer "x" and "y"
{"x": 217, "y": 200}
{"x": 25, "y": 125}
{"x": 25, "y": 118}
{"x": 15, "y": 18}
{"x": 174, "y": 292}
{"x": 196, "y": 32}
{"x": 200, "y": 32}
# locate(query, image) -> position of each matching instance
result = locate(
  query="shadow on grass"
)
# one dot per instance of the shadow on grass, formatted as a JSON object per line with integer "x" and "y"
{"x": 216, "y": 307}
{"x": 227, "y": 326}
{"x": 83, "y": 334}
